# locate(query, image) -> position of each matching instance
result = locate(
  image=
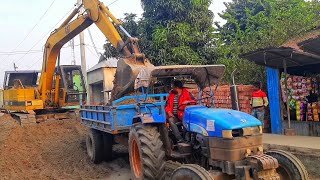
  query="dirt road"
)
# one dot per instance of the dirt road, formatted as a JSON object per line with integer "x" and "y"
{"x": 52, "y": 150}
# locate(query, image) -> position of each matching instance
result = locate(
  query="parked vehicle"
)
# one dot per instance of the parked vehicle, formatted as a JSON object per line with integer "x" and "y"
{"x": 218, "y": 143}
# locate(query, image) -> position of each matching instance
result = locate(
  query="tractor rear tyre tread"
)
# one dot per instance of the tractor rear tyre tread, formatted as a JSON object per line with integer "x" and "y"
{"x": 191, "y": 172}
{"x": 107, "y": 146}
{"x": 145, "y": 143}
{"x": 290, "y": 167}
{"x": 94, "y": 143}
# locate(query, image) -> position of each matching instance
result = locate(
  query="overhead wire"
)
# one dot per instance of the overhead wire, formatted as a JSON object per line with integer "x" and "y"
{"x": 31, "y": 30}
{"x": 33, "y": 64}
{"x": 94, "y": 46}
{"x": 45, "y": 35}
{"x": 18, "y": 52}
{"x": 112, "y": 2}
{"x": 92, "y": 52}
{"x": 27, "y": 52}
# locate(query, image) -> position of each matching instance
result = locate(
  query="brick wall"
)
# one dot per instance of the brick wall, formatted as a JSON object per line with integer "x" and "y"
{"x": 222, "y": 97}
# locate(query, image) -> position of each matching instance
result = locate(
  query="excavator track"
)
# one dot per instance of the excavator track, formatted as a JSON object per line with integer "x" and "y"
{"x": 25, "y": 119}
{"x": 31, "y": 118}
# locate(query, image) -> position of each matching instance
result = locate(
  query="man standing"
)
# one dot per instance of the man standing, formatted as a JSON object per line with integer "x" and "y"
{"x": 178, "y": 99}
{"x": 259, "y": 101}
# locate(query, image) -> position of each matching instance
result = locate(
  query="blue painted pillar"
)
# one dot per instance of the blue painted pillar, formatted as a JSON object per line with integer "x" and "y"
{"x": 274, "y": 99}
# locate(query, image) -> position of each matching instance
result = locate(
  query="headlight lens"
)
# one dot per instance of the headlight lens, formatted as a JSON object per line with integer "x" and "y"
{"x": 227, "y": 134}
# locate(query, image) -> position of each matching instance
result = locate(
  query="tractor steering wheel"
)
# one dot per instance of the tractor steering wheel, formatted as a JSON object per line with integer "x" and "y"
{"x": 189, "y": 103}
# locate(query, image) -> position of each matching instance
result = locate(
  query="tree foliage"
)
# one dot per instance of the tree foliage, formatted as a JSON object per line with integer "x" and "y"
{"x": 177, "y": 31}
{"x": 254, "y": 24}
{"x": 181, "y": 31}
{"x": 131, "y": 25}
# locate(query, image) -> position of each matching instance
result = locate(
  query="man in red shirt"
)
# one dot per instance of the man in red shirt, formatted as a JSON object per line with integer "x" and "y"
{"x": 178, "y": 99}
{"x": 259, "y": 101}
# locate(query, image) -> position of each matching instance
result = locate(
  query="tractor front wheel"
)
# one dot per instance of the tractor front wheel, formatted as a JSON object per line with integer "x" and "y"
{"x": 147, "y": 157}
{"x": 191, "y": 172}
{"x": 290, "y": 167}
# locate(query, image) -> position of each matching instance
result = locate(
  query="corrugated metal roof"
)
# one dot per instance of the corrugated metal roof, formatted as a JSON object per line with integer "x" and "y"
{"x": 301, "y": 53}
{"x": 273, "y": 57}
{"x": 110, "y": 62}
{"x": 311, "y": 45}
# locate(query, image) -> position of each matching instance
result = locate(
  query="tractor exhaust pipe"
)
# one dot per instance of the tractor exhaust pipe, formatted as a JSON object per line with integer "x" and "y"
{"x": 234, "y": 92}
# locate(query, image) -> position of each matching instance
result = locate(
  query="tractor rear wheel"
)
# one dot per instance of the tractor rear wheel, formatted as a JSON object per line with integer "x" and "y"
{"x": 147, "y": 157}
{"x": 94, "y": 143}
{"x": 191, "y": 172}
{"x": 290, "y": 167}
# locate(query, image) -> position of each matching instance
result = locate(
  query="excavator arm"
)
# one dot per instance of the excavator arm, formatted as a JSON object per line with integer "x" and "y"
{"x": 95, "y": 12}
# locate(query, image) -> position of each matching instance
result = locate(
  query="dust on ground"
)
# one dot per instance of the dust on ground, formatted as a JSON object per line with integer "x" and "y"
{"x": 52, "y": 150}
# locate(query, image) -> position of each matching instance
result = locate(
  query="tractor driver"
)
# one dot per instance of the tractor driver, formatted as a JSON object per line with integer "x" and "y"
{"x": 178, "y": 99}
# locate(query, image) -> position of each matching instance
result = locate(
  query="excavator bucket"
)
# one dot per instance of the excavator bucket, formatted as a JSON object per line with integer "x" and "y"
{"x": 127, "y": 71}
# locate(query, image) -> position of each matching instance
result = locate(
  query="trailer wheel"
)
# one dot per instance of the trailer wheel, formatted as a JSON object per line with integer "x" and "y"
{"x": 107, "y": 146}
{"x": 94, "y": 143}
{"x": 191, "y": 172}
{"x": 290, "y": 167}
{"x": 147, "y": 157}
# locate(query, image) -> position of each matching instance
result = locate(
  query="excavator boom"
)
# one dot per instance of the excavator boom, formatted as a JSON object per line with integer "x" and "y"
{"x": 95, "y": 12}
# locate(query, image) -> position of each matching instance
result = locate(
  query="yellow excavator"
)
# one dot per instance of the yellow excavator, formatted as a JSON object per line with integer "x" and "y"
{"x": 58, "y": 86}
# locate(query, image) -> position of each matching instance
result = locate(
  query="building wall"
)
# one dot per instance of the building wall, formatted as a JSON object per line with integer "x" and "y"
{"x": 1, "y": 98}
{"x": 100, "y": 83}
{"x": 95, "y": 76}
{"x": 108, "y": 83}
{"x": 96, "y": 94}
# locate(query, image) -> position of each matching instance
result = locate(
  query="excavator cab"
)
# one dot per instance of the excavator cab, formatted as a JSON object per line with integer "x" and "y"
{"x": 71, "y": 87}
{"x": 25, "y": 79}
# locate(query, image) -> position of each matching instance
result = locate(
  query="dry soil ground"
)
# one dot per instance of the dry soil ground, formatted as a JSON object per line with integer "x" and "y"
{"x": 55, "y": 150}
{"x": 52, "y": 150}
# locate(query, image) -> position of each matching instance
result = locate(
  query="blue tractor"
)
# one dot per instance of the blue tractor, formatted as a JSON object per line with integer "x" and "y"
{"x": 218, "y": 143}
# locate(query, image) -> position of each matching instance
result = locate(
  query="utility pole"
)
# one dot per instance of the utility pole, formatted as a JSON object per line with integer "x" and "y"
{"x": 83, "y": 56}
{"x": 82, "y": 49}
{"x": 15, "y": 67}
{"x": 73, "y": 61}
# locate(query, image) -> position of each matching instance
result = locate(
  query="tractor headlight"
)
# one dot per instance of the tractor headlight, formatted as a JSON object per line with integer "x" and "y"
{"x": 260, "y": 129}
{"x": 227, "y": 134}
{"x": 249, "y": 131}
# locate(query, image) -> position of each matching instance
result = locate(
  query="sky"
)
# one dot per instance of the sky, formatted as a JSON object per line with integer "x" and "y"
{"x": 26, "y": 25}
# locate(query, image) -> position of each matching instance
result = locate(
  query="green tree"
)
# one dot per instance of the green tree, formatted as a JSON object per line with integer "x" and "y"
{"x": 259, "y": 24}
{"x": 131, "y": 25}
{"x": 177, "y": 31}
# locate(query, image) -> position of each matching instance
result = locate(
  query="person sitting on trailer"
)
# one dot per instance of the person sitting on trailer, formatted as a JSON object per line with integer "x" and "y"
{"x": 178, "y": 99}
{"x": 259, "y": 101}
